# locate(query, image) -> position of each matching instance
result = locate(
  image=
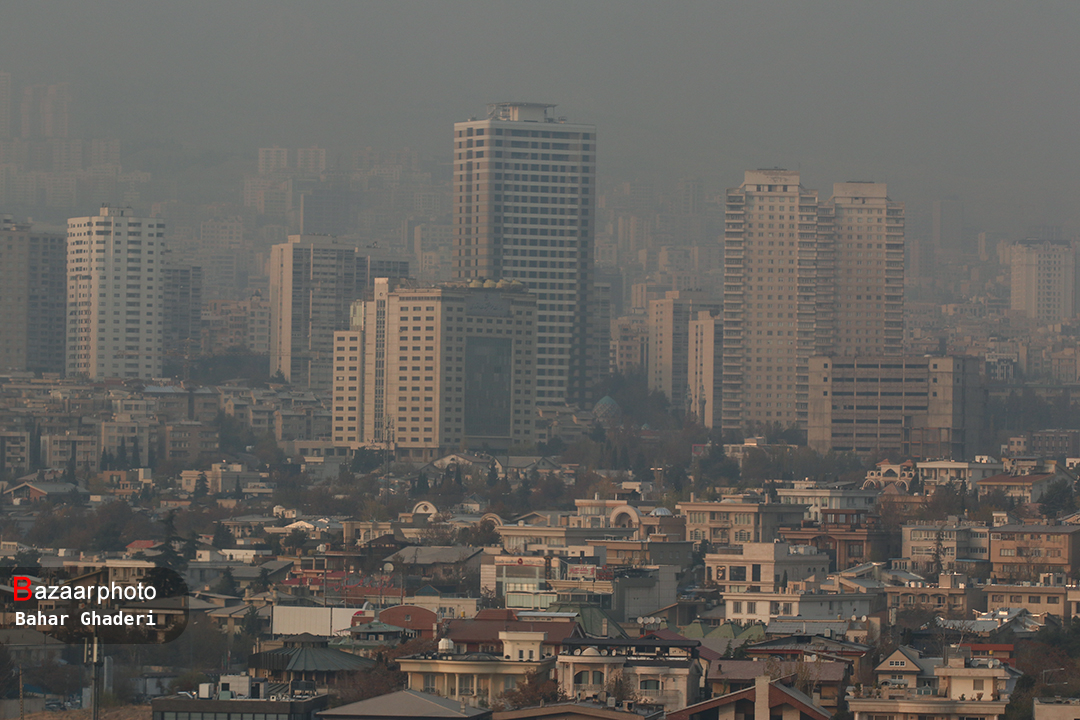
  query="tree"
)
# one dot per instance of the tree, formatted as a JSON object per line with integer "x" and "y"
{"x": 295, "y": 539}
{"x": 251, "y": 625}
{"x": 621, "y": 687}
{"x": 226, "y": 584}
{"x": 479, "y": 534}
{"x": 421, "y": 487}
{"x": 122, "y": 455}
{"x": 222, "y": 537}
{"x": 1059, "y": 498}
{"x": 202, "y": 486}
{"x": 262, "y": 582}
{"x": 538, "y": 689}
{"x": 492, "y": 476}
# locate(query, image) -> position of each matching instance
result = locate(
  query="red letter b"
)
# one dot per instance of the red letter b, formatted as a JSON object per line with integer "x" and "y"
{"x": 22, "y": 587}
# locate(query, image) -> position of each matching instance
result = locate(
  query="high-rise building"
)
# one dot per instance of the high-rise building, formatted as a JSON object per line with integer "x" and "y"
{"x": 804, "y": 277}
{"x": 1043, "y": 281}
{"x": 313, "y": 282}
{"x": 704, "y": 367}
{"x": 33, "y": 277}
{"x": 115, "y": 296}
{"x": 44, "y": 111}
{"x": 523, "y": 192}
{"x": 272, "y": 160}
{"x": 311, "y": 160}
{"x": 432, "y": 370}
{"x": 669, "y": 342}
{"x": 183, "y": 305}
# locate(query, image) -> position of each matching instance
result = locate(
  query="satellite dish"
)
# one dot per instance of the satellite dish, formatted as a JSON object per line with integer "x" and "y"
{"x": 388, "y": 567}
{"x": 640, "y": 620}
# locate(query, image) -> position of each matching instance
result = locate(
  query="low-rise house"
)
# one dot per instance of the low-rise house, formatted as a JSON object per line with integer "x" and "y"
{"x": 661, "y": 672}
{"x": 767, "y": 699}
{"x": 850, "y": 537}
{"x": 906, "y": 667}
{"x": 765, "y": 566}
{"x": 822, "y": 680}
{"x": 1024, "y": 552}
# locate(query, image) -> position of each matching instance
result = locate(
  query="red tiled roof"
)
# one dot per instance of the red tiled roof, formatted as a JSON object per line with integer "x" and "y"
{"x": 480, "y": 630}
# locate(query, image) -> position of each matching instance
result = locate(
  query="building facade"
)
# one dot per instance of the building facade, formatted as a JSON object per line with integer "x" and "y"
{"x": 33, "y": 275}
{"x": 524, "y": 190}
{"x": 115, "y": 295}
{"x": 440, "y": 369}
{"x": 925, "y": 407}
{"x": 802, "y": 278}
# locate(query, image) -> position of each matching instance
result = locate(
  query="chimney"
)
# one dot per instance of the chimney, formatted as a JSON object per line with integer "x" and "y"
{"x": 761, "y": 697}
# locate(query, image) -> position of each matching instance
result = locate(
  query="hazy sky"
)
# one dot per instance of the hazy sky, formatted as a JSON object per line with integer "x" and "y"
{"x": 976, "y": 99}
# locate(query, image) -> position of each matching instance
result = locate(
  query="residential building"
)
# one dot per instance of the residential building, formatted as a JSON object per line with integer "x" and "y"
{"x": 827, "y": 279}
{"x": 906, "y": 667}
{"x": 524, "y": 192}
{"x": 966, "y": 687}
{"x": 705, "y": 364}
{"x": 441, "y": 369}
{"x": 954, "y": 545}
{"x": 934, "y": 474}
{"x": 1038, "y": 598}
{"x": 661, "y": 672}
{"x": 313, "y": 283}
{"x": 629, "y": 344}
{"x": 183, "y": 307}
{"x": 766, "y": 566}
{"x": 1024, "y": 552}
{"x": 115, "y": 293}
{"x": 1043, "y": 280}
{"x": 743, "y": 605}
{"x": 1019, "y": 488}
{"x": 953, "y": 594}
{"x": 669, "y": 342}
{"x": 33, "y": 278}
{"x": 816, "y": 499}
{"x": 766, "y": 699}
{"x": 735, "y": 521}
{"x": 924, "y": 407}
{"x": 478, "y": 678}
{"x": 849, "y": 537}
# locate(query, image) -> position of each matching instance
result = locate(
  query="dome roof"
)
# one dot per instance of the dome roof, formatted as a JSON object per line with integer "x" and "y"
{"x": 606, "y": 407}
{"x": 489, "y": 283}
{"x": 660, "y": 512}
{"x": 590, "y": 651}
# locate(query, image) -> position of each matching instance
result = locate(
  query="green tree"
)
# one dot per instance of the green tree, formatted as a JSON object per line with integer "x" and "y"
{"x": 537, "y": 689}
{"x": 222, "y": 537}
{"x": 226, "y": 584}
{"x": 202, "y": 486}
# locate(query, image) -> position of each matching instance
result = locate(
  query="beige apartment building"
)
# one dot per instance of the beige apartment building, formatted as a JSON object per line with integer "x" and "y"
{"x": 115, "y": 295}
{"x": 669, "y": 341}
{"x": 1043, "y": 281}
{"x": 33, "y": 276}
{"x": 735, "y": 521}
{"x": 432, "y": 370}
{"x": 629, "y": 344}
{"x": 904, "y": 406}
{"x": 524, "y": 207}
{"x": 704, "y": 367}
{"x": 803, "y": 277}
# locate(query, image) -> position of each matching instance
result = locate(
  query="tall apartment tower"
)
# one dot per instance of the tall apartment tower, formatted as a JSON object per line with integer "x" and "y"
{"x": 524, "y": 195}
{"x": 669, "y": 342}
{"x": 1044, "y": 281}
{"x": 313, "y": 282}
{"x": 115, "y": 297}
{"x": 33, "y": 278}
{"x": 428, "y": 371}
{"x": 804, "y": 277}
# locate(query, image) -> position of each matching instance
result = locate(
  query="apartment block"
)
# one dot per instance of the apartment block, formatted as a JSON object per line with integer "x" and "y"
{"x": 704, "y": 367}
{"x": 924, "y": 407}
{"x": 443, "y": 368}
{"x": 33, "y": 277}
{"x": 115, "y": 295}
{"x": 804, "y": 277}
{"x": 524, "y": 191}
{"x": 669, "y": 342}
{"x": 1043, "y": 281}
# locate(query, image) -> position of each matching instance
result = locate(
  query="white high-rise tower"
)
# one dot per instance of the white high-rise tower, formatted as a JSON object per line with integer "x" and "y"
{"x": 115, "y": 295}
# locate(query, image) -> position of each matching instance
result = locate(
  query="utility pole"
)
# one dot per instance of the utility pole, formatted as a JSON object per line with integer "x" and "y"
{"x": 92, "y": 655}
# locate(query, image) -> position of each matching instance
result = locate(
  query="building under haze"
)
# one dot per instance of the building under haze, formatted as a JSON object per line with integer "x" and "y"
{"x": 669, "y": 342}
{"x": 804, "y": 277}
{"x": 523, "y": 196}
{"x": 313, "y": 282}
{"x": 33, "y": 277}
{"x": 1043, "y": 280}
{"x": 115, "y": 296}
{"x": 426, "y": 371}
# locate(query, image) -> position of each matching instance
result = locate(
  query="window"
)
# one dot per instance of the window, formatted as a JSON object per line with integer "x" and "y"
{"x": 649, "y": 685}
{"x": 751, "y": 608}
{"x": 465, "y": 684}
{"x": 429, "y": 682}
{"x": 977, "y": 684}
{"x": 736, "y": 607}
